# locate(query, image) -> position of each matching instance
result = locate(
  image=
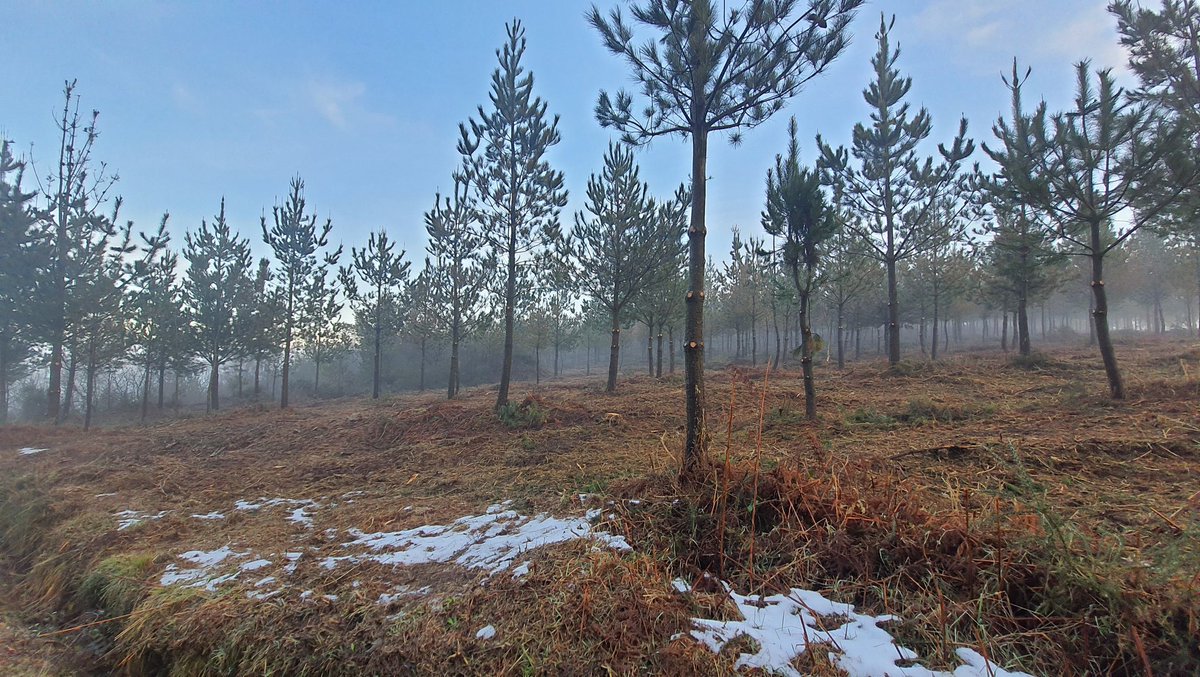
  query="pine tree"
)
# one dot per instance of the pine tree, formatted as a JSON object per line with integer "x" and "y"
{"x": 78, "y": 236}
{"x": 219, "y": 295}
{"x": 1091, "y": 164}
{"x": 321, "y": 325}
{"x": 263, "y": 333}
{"x": 296, "y": 240}
{"x": 798, "y": 213}
{"x": 384, "y": 274}
{"x": 1164, "y": 48}
{"x": 850, "y": 273}
{"x": 620, "y": 242}
{"x": 22, "y": 253}
{"x": 890, "y": 194}
{"x": 158, "y": 323}
{"x": 518, "y": 195}
{"x": 706, "y": 71}
{"x": 420, "y": 317}
{"x": 461, "y": 271}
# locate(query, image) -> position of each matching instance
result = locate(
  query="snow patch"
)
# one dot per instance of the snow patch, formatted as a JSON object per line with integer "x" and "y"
{"x": 29, "y": 451}
{"x": 210, "y": 516}
{"x": 784, "y": 626}
{"x": 127, "y": 519}
{"x": 486, "y": 632}
{"x": 492, "y": 541}
{"x": 202, "y": 561}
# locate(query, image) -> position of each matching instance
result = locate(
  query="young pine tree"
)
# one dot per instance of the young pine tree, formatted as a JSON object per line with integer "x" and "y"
{"x": 461, "y": 271}
{"x": 707, "y": 70}
{"x": 22, "y": 253}
{"x": 1091, "y": 164}
{"x": 891, "y": 192}
{"x": 384, "y": 274}
{"x": 803, "y": 221}
{"x": 218, "y": 294}
{"x": 619, "y": 243}
{"x": 517, "y": 194}
{"x": 296, "y": 240}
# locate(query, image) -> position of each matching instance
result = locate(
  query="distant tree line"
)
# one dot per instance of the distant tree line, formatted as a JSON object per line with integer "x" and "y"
{"x": 1085, "y": 223}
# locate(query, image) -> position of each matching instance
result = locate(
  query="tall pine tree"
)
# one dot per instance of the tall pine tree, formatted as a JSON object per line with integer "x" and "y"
{"x": 296, "y": 240}
{"x": 707, "y": 70}
{"x": 518, "y": 194}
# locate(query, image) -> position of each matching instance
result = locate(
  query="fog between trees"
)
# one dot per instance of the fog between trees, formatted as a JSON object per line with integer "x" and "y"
{"x": 1038, "y": 227}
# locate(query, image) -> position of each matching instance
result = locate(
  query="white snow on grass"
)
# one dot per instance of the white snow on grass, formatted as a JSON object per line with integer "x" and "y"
{"x": 127, "y": 519}
{"x": 486, "y": 632}
{"x": 202, "y": 561}
{"x": 784, "y": 626}
{"x": 29, "y": 451}
{"x": 210, "y": 516}
{"x": 499, "y": 540}
{"x": 492, "y": 541}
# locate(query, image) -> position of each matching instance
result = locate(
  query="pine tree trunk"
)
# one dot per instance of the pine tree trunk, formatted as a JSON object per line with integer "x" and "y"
{"x": 162, "y": 381}
{"x": 4, "y": 380}
{"x": 257, "y": 372}
{"x": 658, "y": 369}
{"x": 1025, "y": 347}
{"x": 214, "y": 375}
{"x": 806, "y": 362}
{"x": 537, "y": 364}
{"x": 54, "y": 392}
{"x": 69, "y": 394}
{"x": 510, "y": 300}
{"x": 287, "y": 349}
{"x": 841, "y": 346}
{"x": 933, "y": 355}
{"x": 614, "y": 353}
{"x": 696, "y": 441}
{"x": 671, "y": 348}
{"x": 378, "y": 356}
{"x": 423, "y": 346}
{"x": 893, "y": 314}
{"x": 317, "y": 372}
{"x": 778, "y": 344}
{"x": 1100, "y": 316}
{"x": 146, "y": 390}
{"x": 455, "y": 330}
{"x": 1004, "y": 330}
{"x": 649, "y": 350}
{"x": 90, "y": 387}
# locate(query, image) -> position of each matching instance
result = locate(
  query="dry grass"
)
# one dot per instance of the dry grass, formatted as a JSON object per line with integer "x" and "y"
{"x": 1003, "y": 505}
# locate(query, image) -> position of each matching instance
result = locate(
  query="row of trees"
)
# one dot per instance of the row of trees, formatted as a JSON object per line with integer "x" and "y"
{"x": 870, "y": 232}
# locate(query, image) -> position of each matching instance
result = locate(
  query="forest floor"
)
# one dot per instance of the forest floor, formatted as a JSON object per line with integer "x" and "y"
{"x": 991, "y": 504}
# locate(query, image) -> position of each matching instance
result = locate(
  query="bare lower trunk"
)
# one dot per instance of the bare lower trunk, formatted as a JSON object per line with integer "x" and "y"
{"x": 671, "y": 348}
{"x": 893, "y": 318}
{"x": 214, "y": 375}
{"x": 1100, "y": 316}
{"x": 510, "y": 300}
{"x": 1023, "y": 341}
{"x": 90, "y": 387}
{"x": 145, "y": 390}
{"x": 841, "y": 346}
{"x": 658, "y": 368}
{"x": 649, "y": 350}
{"x": 614, "y": 353}
{"x": 806, "y": 362}
{"x": 696, "y": 441}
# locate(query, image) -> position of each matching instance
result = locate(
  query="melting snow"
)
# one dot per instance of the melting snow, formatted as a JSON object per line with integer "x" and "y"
{"x": 486, "y": 632}
{"x": 210, "y": 516}
{"x": 202, "y": 561}
{"x": 492, "y": 541}
{"x": 255, "y": 565}
{"x": 783, "y": 626}
{"x": 29, "y": 451}
{"x": 131, "y": 518}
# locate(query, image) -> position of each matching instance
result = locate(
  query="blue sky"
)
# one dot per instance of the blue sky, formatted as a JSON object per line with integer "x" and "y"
{"x": 200, "y": 100}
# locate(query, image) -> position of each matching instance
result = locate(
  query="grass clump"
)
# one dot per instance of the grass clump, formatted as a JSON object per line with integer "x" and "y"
{"x": 871, "y": 418}
{"x": 924, "y": 409}
{"x": 116, "y": 583}
{"x": 1035, "y": 361}
{"x": 526, "y": 414}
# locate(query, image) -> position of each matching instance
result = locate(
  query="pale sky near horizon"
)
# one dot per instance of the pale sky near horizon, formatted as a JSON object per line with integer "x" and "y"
{"x": 200, "y": 100}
